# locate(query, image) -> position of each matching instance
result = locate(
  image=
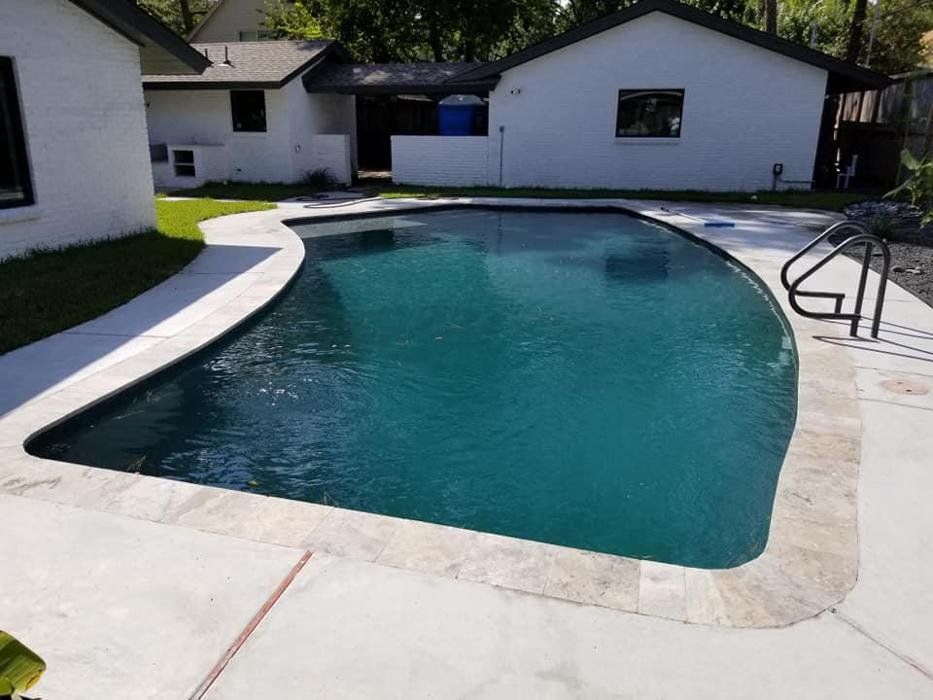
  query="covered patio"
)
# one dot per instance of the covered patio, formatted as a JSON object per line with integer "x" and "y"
{"x": 400, "y": 99}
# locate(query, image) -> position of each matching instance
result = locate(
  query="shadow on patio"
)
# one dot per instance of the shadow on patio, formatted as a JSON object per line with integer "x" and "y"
{"x": 218, "y": 275}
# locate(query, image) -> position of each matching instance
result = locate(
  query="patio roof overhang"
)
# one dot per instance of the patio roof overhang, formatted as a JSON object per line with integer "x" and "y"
{"x": 395, "y": 79}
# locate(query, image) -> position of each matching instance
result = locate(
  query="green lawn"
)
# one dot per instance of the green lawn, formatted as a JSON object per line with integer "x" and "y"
{"x": 254, "y": 191}
{"x": 275, "y": 192}
{"x": 49, "y": 291}
{"x": 800, "y": 199}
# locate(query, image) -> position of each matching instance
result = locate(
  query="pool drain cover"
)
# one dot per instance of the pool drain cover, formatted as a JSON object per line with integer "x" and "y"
{"x": 904, "y": 386}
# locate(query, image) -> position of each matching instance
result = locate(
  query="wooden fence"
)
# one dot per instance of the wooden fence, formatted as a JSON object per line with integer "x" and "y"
{"x": 876, "y": 125}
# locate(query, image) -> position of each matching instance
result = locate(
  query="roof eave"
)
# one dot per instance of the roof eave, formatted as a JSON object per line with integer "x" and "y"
{"x": 158, "y": 44}
{"x": 443, "y": 88}
{"x": 211, "y": 85}
{"x": 332, "y": 49}
{"x": 839, "y": 83}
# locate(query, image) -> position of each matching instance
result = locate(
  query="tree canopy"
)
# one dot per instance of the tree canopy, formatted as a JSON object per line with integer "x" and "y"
{"x": 468, "y": 30}
{"x": 180, "y": 15}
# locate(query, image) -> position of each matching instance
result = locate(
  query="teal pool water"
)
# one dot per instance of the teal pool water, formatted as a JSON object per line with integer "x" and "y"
{"x": 586, "y": 379}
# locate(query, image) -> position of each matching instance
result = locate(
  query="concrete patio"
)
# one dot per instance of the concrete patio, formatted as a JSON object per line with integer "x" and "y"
{"x": 135, "y": 587}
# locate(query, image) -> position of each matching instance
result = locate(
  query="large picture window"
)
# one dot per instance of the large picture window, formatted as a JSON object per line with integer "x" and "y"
{"x": 249, "y": 110}
{"x": 15, "y": 184}
{"x": 649, "y": 113}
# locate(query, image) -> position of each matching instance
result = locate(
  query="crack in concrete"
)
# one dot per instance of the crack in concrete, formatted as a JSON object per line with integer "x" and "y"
{"x": 916, "y": 665}
{"x": 251, "y": 626}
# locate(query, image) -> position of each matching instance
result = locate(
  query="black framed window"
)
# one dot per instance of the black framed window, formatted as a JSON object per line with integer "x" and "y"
{"x": 15, "y": 183}
{"x": 649, "y": 113}
{"x": 249, "y": 110}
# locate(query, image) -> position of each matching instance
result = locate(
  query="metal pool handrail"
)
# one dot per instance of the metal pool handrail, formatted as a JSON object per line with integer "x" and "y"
{"x": 870, "y": 241}
{"x": 835, "y": 228}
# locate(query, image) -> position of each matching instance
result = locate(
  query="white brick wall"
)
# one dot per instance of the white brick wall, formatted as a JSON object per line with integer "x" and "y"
{"x": 332, "y": 151}
{"x": 204, "y": 117}
{"x": 82, "y": 105}
{"x": 317, "y": 123}
{"x": 440, "y": 160}
{"x": 285, "y": 152}
{"x": 745, "y": 108}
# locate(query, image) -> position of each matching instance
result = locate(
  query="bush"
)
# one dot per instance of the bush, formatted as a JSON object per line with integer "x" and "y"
{"x": 319, "y": 179}
{"x": 918, "y": 186}
{"x": 882, "y": 226}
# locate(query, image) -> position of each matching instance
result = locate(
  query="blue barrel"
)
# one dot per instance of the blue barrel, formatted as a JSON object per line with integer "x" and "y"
{"x": 456, "y": 115}
{"x": 455, "y": 120}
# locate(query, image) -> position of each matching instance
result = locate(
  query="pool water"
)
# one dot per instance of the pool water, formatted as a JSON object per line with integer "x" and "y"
{"x": 585, "y": 379}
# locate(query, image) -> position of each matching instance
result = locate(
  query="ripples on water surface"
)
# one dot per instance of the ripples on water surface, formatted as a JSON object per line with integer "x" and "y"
{"x": 591, "y": 380}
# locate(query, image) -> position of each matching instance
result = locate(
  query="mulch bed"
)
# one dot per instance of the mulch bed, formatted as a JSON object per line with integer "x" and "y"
{"x": 911, "y": 244}
{"x": 911, "y": 260}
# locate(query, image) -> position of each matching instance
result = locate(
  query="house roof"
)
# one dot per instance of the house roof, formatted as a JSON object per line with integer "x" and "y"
{"x": 211, "y": 11}
{"x": 257, "y": 6}
{"x": 394, "y": 78}
{"x": 843, "y": 76}
{"x": 160, "y": 49}
{"x": 252, "y": 64}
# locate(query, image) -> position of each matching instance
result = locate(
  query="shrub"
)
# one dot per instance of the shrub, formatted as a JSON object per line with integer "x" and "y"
{"x": 919, "y": 184}
{"x": 882, "y": 225}
{"x": 319, "y": 179}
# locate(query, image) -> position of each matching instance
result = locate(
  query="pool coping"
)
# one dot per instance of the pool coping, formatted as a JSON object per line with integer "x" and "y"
{"x": 809, "y": 564}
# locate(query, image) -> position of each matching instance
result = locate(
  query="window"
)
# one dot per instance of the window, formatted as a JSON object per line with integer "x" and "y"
{"x": 15, "y": 185}
{"x": 249, "y": 110}
{"x": 649, "y": 113}
{"x": 255, "y": 35}
{"x": 183, "y": 163}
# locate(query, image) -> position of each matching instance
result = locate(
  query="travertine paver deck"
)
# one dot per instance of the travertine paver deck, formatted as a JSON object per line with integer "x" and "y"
{"x": 813, "y": 552}
{"x": 810, "y": 561}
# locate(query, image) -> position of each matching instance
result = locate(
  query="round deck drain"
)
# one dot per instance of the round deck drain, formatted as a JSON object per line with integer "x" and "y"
{"x": 905, "y": 386}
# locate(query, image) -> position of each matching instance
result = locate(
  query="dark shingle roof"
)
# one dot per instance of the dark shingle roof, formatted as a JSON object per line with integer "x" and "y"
{"x": 364, "y": 78}
{"x": 259, "y": 64}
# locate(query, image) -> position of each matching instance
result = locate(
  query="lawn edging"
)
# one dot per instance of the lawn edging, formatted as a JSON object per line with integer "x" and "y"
{"x": 47, "y": 291}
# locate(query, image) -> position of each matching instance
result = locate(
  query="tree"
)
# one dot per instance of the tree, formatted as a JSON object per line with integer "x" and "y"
{"x": 854, "y": 44}
{"x": 180, "y": 15}
{"x": 404, "y": 30}
{"x": 896, "y": 47}
{"x": 769, "y": 16}
{"x": 293, "y": 22}
{"x": 467, "y": 30}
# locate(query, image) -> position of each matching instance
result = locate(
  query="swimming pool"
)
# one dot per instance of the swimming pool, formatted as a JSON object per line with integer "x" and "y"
{"x": 588, "y": 379}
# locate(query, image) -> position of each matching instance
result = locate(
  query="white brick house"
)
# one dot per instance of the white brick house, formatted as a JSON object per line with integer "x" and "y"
{"x": 231, "y": 20}
{"x": 248, "y": 118}
{"x": 657, "y": 96}
{"x": 743, "y": 108}
{"x": 74, "y": 164}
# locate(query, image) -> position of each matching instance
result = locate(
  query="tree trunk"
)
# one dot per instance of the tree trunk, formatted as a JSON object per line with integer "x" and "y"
{"x": 856, "y": 30}
{"x": 437, "y": 46}
{"x": 768, "y": 10}
{"x": 435, "y": 41}
{"x": 469, "y": 50}
{"x": 187, "y": 20}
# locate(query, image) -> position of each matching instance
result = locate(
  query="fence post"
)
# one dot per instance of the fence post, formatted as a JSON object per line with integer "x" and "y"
{"x": 905, "y": 115}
